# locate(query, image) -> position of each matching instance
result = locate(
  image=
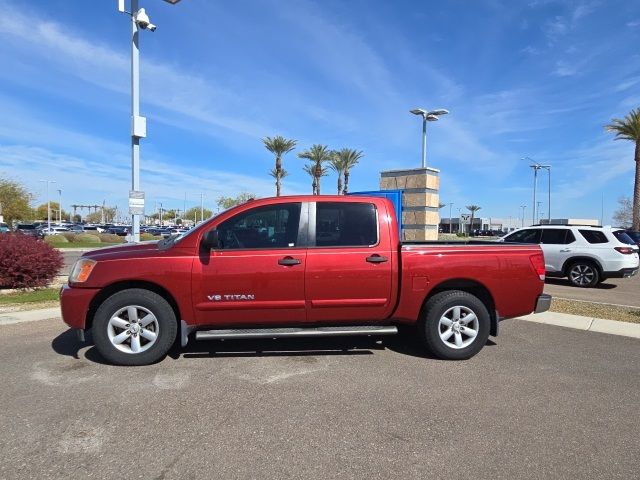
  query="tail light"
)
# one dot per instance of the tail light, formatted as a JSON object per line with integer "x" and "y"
{"x": 537, "y": 262}
{"x": 625, "y": 250}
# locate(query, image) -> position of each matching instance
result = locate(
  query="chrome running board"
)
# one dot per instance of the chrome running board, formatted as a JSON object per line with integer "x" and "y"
{"x": 296, "y": 332}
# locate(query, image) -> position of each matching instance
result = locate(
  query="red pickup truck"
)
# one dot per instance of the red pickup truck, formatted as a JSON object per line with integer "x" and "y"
{"x": 294, "y": 267}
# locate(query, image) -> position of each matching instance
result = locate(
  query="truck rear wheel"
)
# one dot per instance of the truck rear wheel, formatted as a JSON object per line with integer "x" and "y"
{"x": 134, "y": 327}
{"x": 455, "y": 325}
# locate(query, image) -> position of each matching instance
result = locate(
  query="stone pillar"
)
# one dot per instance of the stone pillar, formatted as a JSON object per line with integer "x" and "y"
{"x": 420, "y": 200}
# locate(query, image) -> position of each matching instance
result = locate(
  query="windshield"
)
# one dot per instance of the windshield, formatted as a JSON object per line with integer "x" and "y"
{"x": 26, "y": 227}
{"x": 622, "y": 236}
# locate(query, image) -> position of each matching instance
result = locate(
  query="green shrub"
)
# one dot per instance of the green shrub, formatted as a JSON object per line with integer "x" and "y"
{"x": 110, "y": 238}
{"x": 69, "y": 235}
{"x": 148, "y": 236}
{"x": 86, "y": 238}
{"x": 55, "y": 239}
{"x": 26, "y": 262}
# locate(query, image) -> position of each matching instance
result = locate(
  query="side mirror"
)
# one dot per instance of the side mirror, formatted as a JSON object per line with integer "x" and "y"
{"x": 211, "y": 239}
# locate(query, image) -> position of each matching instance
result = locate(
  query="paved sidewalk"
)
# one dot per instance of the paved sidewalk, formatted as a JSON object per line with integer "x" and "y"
{"x": 29, "y": 315}
{"x": 578, "y": 322}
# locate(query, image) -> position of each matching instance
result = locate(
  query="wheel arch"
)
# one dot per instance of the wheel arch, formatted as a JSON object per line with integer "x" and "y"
{"x": 581, "y": 258}
{"x": 109, "y": 290}
{"x": 473, "y": 287}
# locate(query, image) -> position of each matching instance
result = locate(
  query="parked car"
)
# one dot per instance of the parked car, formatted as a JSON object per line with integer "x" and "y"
{"x": 266, "y": 269}
{"x": 635, "y": 236}
{"x": 53, "y": 230}
{"x": 121, "y": 231}
{"x": 4, "y": 228}
{"x": 27, "y": 229}
{"x": 586, "y": 255}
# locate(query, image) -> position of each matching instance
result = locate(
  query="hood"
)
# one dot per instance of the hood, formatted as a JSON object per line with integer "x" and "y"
{"x": 127, "y": 250}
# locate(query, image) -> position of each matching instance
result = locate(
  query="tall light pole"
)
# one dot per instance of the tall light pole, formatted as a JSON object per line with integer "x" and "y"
{"x": 450, "y": 205}
{"x": 537, "y": 166}
{"x": 427, "y": 116}
{"x": 522, "y": 207}
{"x": 139, "y": 20}
{"x": 48, "y": 204}
{"x": 202, "y": 207}
{"x": 60, "y": 203}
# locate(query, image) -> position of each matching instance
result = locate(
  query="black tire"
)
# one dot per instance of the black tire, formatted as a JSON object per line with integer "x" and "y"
{"x": 430, "y": 325}
{"x": 583, "y": 274}
{"x": 164, "y": 326}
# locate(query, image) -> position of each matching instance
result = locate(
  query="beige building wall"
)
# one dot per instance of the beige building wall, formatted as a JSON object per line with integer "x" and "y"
{"x": 420, "y": 200}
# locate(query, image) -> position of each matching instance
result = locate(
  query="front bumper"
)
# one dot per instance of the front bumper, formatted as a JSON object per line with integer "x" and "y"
{"x": 75, "y": 303}
{"x": 543, "y": 303}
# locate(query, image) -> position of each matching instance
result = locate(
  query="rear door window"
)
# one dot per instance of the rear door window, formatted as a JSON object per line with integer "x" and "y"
{"x": 593, "y": 236}
{"x": 341, "y": 224}
{"x": 557, "y": 236}
{"x": 529, "y": 235}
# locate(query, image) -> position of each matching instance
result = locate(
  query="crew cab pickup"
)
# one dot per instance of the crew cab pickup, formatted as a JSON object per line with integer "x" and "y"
{"x": 299, "y": 266}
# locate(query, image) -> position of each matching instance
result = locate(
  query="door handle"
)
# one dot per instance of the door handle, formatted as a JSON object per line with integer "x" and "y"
{"x": 564, "y": 250}
{"x": 289, "y": 261}
{"x": 375, "y": 258}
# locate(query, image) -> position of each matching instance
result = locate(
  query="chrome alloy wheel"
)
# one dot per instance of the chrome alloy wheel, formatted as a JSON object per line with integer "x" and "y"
{"x": 133, "y": 329}
{"x": 582, "y": 274}
{"x": 458, "y": 327}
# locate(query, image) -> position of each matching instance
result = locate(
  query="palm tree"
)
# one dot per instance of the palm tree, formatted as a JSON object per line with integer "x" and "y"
{"x": 315, "y": 174}
{"x": 473, "y": 209}
{"x": 317, "y": 154}
{"x": 629, "y": 129}
{"x": 350, "y": 159}
{"x": 278, "y": 146}
{"x": 278, "y": 175}
{"x": 337, "y": 165}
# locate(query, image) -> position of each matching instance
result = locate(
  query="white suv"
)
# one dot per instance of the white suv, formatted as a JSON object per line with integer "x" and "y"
{"x": 585, "y": 255}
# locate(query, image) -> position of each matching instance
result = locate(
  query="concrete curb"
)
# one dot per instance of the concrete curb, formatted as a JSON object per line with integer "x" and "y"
{"x": 29, "y": 316}
{"x": 612, "y": 327}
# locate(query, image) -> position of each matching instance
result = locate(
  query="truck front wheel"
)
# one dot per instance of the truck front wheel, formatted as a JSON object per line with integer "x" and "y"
{"x": 454, "y": 325}
{"x": 134, "y": 327}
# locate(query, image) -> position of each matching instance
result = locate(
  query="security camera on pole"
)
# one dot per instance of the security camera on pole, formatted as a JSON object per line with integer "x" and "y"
{"x": 139, "y": 20}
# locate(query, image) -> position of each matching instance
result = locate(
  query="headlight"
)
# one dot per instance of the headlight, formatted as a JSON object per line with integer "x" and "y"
{"x": 81, "y": 270}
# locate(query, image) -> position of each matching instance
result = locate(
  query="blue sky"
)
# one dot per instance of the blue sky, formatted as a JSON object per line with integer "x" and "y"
{"x": 521, "y": 78}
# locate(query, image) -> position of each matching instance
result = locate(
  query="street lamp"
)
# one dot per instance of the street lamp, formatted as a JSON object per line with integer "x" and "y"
{"x": 139, "y": 20}
{"x": 522, "y": 207}
{"x": 48, "y": 204}
{"x": 427, "y": 116}
{"x": 450, "y": 204}
{"x": 60, "y": 203}
{"x": 537, "y": 166}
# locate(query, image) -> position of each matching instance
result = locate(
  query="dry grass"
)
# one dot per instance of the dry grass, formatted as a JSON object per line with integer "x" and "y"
{"x": 596, "y": 310}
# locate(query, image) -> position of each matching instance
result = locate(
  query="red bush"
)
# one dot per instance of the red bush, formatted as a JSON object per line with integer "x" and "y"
{"x": 26, "y": 262}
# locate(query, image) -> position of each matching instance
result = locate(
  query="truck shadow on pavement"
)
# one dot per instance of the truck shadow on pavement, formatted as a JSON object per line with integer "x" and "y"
{"x": 406, "y": 343}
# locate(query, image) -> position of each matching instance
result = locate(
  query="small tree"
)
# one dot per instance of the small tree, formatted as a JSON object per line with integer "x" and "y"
{"x": 14, "y": 201}
{"x": 194, "y": 214}
{"x": 278, "y": 146}
{"x": 228, "y": 202}
{"x": 624, "y": 215}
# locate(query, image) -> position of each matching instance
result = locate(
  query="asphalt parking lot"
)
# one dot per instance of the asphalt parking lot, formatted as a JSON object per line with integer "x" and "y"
{"x": 540, "y": 402}
{"x": 619, "y": 291}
